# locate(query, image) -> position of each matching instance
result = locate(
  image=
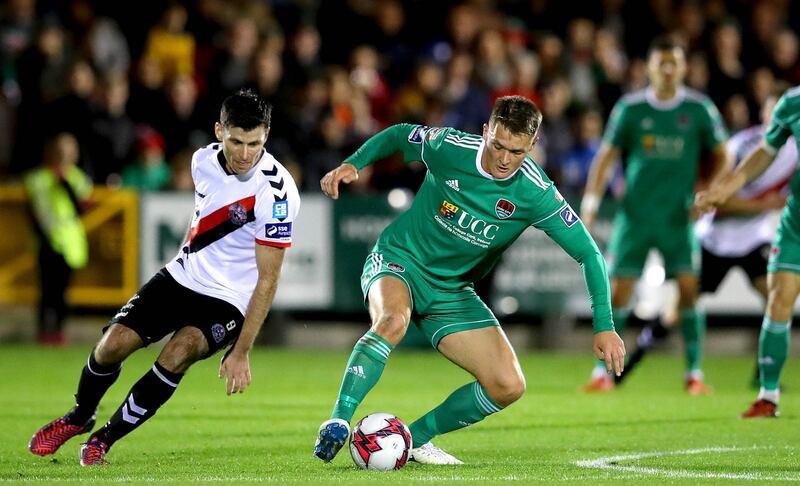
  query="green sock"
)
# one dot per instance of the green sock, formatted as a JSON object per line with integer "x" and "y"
{"x": 693, "y": 327}
{"x": 620, "y": 316}
{"x": 465, "y": 406}
{"x": 363, "y": 370}
{"x": 773, "y": 347}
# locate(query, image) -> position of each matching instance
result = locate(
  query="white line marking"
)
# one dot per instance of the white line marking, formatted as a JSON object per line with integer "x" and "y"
{"x": 609, "y": 464}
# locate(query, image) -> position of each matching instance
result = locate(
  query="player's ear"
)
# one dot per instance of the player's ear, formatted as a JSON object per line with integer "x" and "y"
{"x": 486, "y": 131}
{"x": 218, "y": 130}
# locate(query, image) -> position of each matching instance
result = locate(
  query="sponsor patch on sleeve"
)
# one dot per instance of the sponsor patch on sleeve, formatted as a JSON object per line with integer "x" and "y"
{"x": 432, "y": 133}
{"x": 278, "y": 230}
{"x": 417, "y": 135}
{"x": 568, "y": 216}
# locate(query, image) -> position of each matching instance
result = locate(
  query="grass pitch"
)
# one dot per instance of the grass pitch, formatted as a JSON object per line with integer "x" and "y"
{"x": 649, "y": 430}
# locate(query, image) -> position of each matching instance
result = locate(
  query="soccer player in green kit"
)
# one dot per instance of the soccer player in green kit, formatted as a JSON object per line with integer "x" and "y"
{"x": 783, "y": 269}
{"x": 662, "y": 131}
{"x": 478, "y": 196}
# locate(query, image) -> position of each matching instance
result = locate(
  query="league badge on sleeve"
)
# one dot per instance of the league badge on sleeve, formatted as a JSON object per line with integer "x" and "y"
{"x": 280, "y": 210}
{"x": 504, "y": 208}
{"x": 416, "y": 135}
{"x": 568, "y": 216}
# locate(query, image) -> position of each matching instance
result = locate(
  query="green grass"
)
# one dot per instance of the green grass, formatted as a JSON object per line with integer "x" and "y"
{"x": 266, "y": 434}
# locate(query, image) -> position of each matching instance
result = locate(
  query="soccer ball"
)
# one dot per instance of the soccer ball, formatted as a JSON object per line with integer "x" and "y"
{"x": 380, "y": 441}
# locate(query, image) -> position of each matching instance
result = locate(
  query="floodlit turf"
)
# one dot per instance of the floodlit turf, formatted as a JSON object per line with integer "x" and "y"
{"x": 553, "y": 435}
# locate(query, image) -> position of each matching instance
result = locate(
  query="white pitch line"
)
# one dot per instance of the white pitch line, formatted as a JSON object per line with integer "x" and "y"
{"x": 606, "y": 463}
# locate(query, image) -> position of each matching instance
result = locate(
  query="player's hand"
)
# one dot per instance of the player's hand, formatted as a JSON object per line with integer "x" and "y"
{"x": 346, "y": 173}
{"x": 609, "y": 347}
{"x": 235, "y": 368}
{"x": 705, "y": 201}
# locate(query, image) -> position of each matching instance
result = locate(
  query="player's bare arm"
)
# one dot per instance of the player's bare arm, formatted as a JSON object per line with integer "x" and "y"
{"x": 599, "y": 173}
{"x": 731, "y": 181}
{"x": 346, "y": 173}
{"x": 235, "y": 366}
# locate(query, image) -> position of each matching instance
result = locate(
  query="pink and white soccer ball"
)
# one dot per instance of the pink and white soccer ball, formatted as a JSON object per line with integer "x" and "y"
{"x": 380, "y": 441}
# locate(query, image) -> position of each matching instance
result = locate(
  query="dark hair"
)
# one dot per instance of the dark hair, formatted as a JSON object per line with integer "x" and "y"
{"x": 246, "y": 110}
{"x": 663, "y": 43}
{"x": 518, "y": 114}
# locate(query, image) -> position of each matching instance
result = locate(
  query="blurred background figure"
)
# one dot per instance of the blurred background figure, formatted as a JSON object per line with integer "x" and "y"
{"x": 58, "y": 191}
{"x": 149, "y": 171}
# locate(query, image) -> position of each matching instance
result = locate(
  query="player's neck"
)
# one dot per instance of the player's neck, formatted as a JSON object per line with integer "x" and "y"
{"x": 666, "y": 93}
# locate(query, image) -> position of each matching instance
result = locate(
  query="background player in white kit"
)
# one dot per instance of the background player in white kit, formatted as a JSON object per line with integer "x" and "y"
{"x": 215, "y": 293}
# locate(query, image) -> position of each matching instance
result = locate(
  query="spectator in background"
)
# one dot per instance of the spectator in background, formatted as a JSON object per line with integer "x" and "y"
{"x": 114, "y": 132}
{"x": 550, "y": 50}
{"x": 524, "y": 78}
{"x": 726, "y": 71}
{"x": 610, "y": 65}
{"x": 302, "y": 62}
{"x": 413, "y": 99}
{"x": 581, "y": 60}
{"x": 183, "y": 124}
{"x": 492, "y": 65}
{"x": 232, "y": 66}
{"x": 786, "y": 55}
{"x": 736, "y": 113}
{"x": 697, "y": 72}
{"x": 18, "y": 24}
{"x": 170, "y": 45}
{"x": 761, "y": 84}
{"x": 149, "y": 171}
{"x": 366, "y": 76}
{"x": 57, "y": 192}
{"x": 147, "y": 98}
{"x": 573, "y": 165}
{"x": 100, "y": 39}
{"x": 556, "y": 133}
{"x": 467, "y": 105}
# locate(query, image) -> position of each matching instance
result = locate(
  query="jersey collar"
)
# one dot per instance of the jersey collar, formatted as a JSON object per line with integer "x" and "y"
{"x": 650, "y": 96}
{"x": 483, "y": 172}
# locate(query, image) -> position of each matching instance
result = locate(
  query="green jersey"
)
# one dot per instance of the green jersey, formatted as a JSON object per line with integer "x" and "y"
{"x": 462, "y": 218}
{"x": 662, "y": 143}
{"x": 785, "y": 122}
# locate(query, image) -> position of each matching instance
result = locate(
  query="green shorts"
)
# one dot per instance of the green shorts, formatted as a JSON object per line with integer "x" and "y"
{"x": 631, "y": 242}
{"x": 437, "y": 312}
{"x": 785, "y": 253}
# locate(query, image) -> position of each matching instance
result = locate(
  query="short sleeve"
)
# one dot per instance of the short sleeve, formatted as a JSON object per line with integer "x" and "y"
{"x": 778, "y": 130}
{"x": 715, "y": 132}
{"x": 616, "y": 133}
{"x": 275, "y": 217}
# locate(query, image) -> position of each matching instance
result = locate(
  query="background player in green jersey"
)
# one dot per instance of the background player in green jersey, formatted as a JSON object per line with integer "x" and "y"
{"x": 783, "y": 279}
{"x": 662, "y": 131}
{"x": 478, "y": 196}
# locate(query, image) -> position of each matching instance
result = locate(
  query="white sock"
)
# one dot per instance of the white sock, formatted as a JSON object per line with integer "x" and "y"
{"x": 771, "y": 395}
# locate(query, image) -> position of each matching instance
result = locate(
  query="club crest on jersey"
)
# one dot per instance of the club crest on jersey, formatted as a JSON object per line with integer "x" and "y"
{"x": 568, "y": 216}
{"x": 280, "y": 210}
{"x": 448, "y": 210}
{"x": 395, "y": 267}
{"x": 432, "y": 133}
{"x": 218, "y": 333}
{"x": 504, "y": 208}
{"x": 237, "y": 214}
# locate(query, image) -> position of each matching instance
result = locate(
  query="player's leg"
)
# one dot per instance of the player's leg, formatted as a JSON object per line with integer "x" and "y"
{"x": 693, "y": 328}
{"x": 487, "y": 355}
{"x": 773, "y": 343}
{"x": 186, "y": 346}
{"x": 102, "y": 369}
{"x": 389, "y": 300}
{"x": 755, "y": 266}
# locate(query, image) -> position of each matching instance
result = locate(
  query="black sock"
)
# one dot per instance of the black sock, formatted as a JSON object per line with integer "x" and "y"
{"x": 95, "y": 381}
{"x": 146, "y": 396}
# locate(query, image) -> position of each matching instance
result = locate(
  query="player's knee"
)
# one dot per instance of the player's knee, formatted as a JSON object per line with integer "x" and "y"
{"x": 781, "y": 302}
{"x": 116, "y": 344}
{"x": 507, "y": 389}
{"x": 182, "y": 351}
{"x": 391, "y": 326}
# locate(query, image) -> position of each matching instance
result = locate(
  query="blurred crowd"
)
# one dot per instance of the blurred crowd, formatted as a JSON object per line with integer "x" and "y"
{"x": 140, "y": 85}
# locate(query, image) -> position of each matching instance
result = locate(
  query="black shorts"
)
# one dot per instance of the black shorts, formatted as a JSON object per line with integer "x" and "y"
{"x": 715, "y": 268}
{"x": 162, "y": 306}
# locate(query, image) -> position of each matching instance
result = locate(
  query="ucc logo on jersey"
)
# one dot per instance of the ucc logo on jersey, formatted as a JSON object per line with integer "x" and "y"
{"x": 504, "y": 208}
{"x": 237, "y": 214}
{"x": 448, "y": 210}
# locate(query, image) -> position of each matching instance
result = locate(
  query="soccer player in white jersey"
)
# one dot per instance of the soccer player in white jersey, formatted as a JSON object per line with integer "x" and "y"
{"x": 215, "y": 293}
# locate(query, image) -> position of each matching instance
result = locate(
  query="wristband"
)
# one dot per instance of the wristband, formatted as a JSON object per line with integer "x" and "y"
{"x": 590, "y": 203}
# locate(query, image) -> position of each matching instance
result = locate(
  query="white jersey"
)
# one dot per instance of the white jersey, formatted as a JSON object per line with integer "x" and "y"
{"x": 233, "y": 213}
{"x": 737, "y": 235}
